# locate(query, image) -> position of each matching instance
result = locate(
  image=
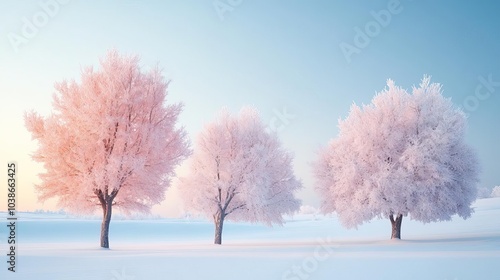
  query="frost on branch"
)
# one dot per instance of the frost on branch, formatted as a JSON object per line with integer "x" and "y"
{"x": 403, "y": 154}
{"x": 241, "y": 172}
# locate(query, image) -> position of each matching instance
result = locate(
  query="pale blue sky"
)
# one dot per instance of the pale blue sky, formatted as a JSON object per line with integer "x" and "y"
{"x": 274, "y": 55}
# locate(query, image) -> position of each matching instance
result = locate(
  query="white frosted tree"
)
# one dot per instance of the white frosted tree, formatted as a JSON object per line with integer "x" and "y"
{"x": 483, "y": 192}
{"x": 495, "y": 192}
{"x": 403, "y": 154}
{"x": 239, "y": 172}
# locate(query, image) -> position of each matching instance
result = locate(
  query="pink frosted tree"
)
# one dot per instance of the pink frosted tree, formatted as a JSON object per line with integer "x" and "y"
{"x": 403, "y": 154}
{"x": 239, "y": 172}
{"x": 110, "y": 141}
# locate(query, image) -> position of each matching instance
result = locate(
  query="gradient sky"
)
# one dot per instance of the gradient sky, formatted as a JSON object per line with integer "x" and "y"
{"x": 279, "y": 56}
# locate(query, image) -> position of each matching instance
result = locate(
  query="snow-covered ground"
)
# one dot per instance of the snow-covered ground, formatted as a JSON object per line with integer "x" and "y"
{"x": 307, "y": 247}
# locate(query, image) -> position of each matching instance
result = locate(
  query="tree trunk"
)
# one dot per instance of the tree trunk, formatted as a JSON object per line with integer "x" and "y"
{"x": 396, "y": 226}
{"x": 106, "y": 219}
{"x": 219, "y": 223}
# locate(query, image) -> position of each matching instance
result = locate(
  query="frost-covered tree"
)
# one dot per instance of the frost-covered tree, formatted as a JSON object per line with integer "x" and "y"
{"x": 403, "y": 154}
{"x": 483, "y": 192}
{"x": 239, "y": 172}
{"x": 110, "y": 141}
{"x": 495, "y": 192}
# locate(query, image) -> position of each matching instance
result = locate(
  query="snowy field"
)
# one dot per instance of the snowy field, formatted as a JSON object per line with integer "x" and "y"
{"x": 307, "y": 247}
